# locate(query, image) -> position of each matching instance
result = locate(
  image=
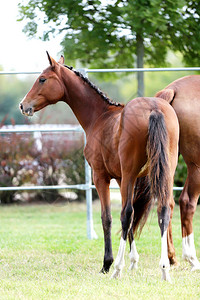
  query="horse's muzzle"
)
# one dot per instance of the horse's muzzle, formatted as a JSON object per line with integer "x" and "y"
{"x": 26, "y": 111}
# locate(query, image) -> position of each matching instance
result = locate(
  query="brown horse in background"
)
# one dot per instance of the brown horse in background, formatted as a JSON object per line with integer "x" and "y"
{"x": 184, "y": 96}
{"x": 139, "y": 140}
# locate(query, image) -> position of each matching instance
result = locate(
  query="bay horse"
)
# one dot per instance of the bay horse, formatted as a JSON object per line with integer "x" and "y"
{"x": 123, "y": 142}
{"x": 184, "y": 96}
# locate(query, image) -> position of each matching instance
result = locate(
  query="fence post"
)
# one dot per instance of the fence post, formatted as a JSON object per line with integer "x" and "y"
{"x": 91, "y": 234}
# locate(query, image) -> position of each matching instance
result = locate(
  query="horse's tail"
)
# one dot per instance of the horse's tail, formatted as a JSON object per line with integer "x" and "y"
{"x": 167, "y": 94}
{"x": 142, "y": 204}
{"x": 155, "y": 186}
{"x": 157, "y": 151}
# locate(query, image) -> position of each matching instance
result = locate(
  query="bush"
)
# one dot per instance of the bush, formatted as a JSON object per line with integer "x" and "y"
{"x": 180, "y": 177}
{"x": 61, "y": 161}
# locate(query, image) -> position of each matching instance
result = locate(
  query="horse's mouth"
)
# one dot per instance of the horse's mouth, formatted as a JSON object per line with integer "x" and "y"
{"x": 27, "y": 112}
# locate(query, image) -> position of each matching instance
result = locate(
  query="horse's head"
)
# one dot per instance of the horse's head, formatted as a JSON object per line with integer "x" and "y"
{"x": 47, "y": 89}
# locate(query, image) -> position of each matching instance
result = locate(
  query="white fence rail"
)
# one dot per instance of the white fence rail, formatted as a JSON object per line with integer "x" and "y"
{"x": 85, "y": 70}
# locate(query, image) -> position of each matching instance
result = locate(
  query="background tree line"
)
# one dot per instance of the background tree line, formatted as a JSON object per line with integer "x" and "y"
{"x": 118, "y": 33}
{"x": 122, "y": 88}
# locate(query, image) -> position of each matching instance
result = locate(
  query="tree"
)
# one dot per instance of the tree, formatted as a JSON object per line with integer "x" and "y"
{"x": 117, "y": 33}
{"x": 12, "y": 90}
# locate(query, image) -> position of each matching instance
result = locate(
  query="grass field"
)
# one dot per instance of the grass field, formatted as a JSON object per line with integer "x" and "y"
{"x": 45, "y": 254}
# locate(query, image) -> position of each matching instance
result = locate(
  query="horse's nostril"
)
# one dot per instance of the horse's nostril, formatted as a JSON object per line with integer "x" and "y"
{"x": 21, "y": 106}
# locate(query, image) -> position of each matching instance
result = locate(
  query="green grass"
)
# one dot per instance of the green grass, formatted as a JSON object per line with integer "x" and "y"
{"x": 45, "y": 254}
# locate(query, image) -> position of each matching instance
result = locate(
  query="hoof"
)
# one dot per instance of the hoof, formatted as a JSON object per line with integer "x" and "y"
{"x": 196, "y": 268}
{"x": 166, "y": 276}
{"x": 106, "y": 266}
{"x": 104, "y": 271}
{"x": 116, "y": 274}
{"x": 165, "y": 267}
{"x": 133, "y": 266}
{"x": 195, "y": 264}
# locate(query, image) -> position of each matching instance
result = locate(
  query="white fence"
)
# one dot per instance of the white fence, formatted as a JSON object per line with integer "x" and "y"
{"x": 86, "y": 71}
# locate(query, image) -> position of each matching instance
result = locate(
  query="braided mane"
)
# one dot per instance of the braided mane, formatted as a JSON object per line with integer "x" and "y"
{"x": 93, "y": 86}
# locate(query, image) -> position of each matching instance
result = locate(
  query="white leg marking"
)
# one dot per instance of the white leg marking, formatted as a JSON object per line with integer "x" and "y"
{"x": 189, "y": 252}
{"x": 164, "y": 261}
{"x": 119, "y": 261}
{"x": 134, "y": 256}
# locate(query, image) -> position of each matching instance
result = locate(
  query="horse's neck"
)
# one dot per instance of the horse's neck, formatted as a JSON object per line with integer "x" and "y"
{"x": 84, "y": 101}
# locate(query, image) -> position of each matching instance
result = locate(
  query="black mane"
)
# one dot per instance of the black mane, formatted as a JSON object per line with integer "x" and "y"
{"x": 92, "y": 85}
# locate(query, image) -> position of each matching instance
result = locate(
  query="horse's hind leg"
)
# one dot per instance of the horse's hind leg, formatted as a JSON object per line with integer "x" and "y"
{"x": 126, "y": 220}
{"x": 134, "y": 256}
{"x": 170, "y": 244}
{"x": 142, "y": 203}
{"x": 188, "y": 201}
{"x": 163, "y": 221}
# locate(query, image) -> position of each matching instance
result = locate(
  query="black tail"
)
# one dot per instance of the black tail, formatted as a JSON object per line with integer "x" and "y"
{"x": 156, "y": 185}
{"x": 142, "y": 204}
{"x": 157, "y": 151}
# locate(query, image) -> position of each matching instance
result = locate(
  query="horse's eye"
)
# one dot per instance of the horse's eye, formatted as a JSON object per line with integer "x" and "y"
{"x": 42, "y": 80}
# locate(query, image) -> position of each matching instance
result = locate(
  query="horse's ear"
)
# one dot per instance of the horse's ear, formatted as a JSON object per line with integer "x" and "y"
{"x": 61, "y": 60}
{"x": 52, "y": 62}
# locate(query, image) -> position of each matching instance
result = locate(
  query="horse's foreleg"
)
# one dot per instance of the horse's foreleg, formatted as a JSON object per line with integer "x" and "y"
{"x": 126, "y": 220}
{"x": 163, "y": 221}
{"x": 188, "y": 202}
{"x": 102, "y": 186}
{"x": 108, "y": 255}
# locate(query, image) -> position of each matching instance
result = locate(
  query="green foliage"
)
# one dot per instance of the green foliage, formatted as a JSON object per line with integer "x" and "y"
{"x": 181, "y": 173}
{"x": 124, "y": 87}
{"x": 180, "y": 177}
{"x": 106, "y": 33}
{"x": 12, "y": 91}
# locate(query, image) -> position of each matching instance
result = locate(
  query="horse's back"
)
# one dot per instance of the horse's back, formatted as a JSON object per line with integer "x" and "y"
{"x": 186, "y": 103}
